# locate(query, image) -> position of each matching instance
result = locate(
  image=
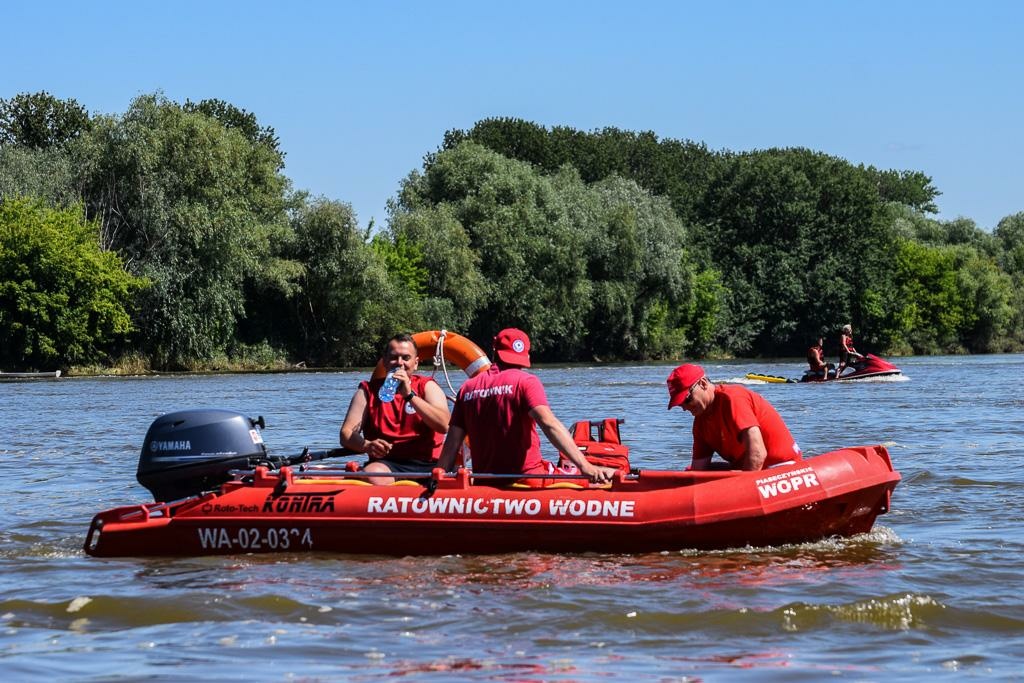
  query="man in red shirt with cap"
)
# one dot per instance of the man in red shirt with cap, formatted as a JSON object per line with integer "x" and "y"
{"x": 500, "y": 409}
{"x": 731, "y": 420}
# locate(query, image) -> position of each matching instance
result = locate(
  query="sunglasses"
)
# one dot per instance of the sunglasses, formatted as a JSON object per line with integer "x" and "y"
{"x": 689, "y": 393}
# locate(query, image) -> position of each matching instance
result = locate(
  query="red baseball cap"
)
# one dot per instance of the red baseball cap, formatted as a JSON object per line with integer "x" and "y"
{"x": 513, "y": 347}
{"x": 680, "y": 381}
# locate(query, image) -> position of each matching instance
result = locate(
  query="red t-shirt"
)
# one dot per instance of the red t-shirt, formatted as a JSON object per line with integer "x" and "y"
{"x": 735, "y": 408}
{"x": 493, "y": 409}
{"x": 399, "y": 423}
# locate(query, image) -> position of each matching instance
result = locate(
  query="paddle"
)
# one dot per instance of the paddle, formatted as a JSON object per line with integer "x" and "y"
{"x": 309, "y": 456}
{"x": 360, "y": 474}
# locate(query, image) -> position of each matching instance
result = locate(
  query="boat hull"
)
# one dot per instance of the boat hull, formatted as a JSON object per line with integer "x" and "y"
{"x": 865, "y": 375}
{"x": 29, "y": 375}
{"x": 835, "y": 494}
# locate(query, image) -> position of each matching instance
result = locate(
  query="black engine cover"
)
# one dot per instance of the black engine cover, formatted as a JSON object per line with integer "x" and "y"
{"x": 191, "y": 451}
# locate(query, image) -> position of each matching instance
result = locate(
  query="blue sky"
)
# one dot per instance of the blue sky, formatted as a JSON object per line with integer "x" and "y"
{"x": 359, "y": 93}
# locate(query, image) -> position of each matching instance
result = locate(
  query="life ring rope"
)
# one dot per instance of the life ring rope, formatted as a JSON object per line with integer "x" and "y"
{"x": 439, "y": 362}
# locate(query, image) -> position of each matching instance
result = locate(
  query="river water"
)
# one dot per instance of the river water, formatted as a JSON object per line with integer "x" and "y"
{"x": 933, "y": 591}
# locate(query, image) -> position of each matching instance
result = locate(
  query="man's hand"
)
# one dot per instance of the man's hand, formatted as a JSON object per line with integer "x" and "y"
{"x": 404, "y": 383}
{"x": 378, "y": 448}
{"x": 598, "y": 474}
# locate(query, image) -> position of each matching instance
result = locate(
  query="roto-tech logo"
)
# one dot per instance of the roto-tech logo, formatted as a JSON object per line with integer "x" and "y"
{"x": 518, "y": 346}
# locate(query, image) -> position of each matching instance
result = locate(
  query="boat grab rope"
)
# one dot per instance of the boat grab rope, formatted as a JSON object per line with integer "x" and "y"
{"x": 439, "y": 362}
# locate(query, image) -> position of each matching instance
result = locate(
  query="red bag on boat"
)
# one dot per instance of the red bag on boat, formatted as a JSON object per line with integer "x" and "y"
{"x": 607, "y": 450}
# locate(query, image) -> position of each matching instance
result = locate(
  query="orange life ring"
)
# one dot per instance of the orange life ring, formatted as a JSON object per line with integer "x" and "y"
{"x": 457, "y": 349}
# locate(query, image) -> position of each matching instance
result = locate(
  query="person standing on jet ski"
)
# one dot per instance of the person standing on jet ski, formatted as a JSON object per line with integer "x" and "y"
{"x": 816, "y": 360}
{"x": 848, "y": 355}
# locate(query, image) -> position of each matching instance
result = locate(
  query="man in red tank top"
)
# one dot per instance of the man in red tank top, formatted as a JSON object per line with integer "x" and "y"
{"x": 731, "y": 420}
{"x": 403, "y": 435}
{"x": 500, "y": 409}
{"x": 816, "y": 360}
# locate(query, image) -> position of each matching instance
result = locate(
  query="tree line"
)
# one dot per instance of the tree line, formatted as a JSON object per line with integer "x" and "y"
{"x": 169, "y": 237}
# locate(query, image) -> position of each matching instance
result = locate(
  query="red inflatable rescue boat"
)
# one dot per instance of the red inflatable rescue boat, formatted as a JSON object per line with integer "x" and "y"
{"x": 228, "y": 495}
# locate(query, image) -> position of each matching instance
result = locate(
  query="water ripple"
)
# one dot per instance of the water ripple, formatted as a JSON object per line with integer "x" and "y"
{"x": 933, "y": 590}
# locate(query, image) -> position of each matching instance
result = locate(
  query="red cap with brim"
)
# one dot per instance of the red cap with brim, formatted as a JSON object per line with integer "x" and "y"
{"x": 512, "y": 346}
{"x": 679, "y": 383}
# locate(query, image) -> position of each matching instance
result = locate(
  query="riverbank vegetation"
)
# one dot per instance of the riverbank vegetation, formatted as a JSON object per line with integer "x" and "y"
{"x": 169, "y": 237}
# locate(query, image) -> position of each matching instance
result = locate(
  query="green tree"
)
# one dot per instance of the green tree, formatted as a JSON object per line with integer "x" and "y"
{"x": 197, "y": 208}
{"x": 678, "y": 169}
{"x": 925, "y": 282}
{"x": 598, "y": 270}
{"x": 455, "y": 288}
{"x": 987, "y": 294}
{"x": 960, "y": 231}
{"x": 62, "y": 300}
{"x": 35, "y": 133}
{"x": 48, "y": 174}
{"x": 1010, "y": 235}
{"x": 347, "y": 304}
{"x": 912, "y": 189}
{"x": 801, "y": 241}
{"x": 40, "y": 120}
{"x": 639, "y": 268}
{"x": 234, "y": 118}
{"x": 530, "y": 257}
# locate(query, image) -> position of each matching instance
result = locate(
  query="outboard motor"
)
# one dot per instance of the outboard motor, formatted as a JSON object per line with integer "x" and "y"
{"x": 191, "y": 451}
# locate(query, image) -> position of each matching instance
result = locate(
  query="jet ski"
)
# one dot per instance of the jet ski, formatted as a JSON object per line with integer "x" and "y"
{"x": 868, "y": 366}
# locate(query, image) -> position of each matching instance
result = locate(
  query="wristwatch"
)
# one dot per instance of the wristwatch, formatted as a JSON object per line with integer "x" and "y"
{"x": 410, "y": 395}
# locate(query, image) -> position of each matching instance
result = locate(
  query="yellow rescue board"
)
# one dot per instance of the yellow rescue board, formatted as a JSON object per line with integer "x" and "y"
{"x": 768, "y": 378}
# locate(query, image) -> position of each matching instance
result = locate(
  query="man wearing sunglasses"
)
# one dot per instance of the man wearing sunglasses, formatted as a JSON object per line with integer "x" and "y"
{"x": 731, "y": 420}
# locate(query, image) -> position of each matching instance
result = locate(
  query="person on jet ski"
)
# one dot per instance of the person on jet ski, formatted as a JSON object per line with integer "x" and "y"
{"x": 848, "y": 355}
{"x": 816, "y": 360}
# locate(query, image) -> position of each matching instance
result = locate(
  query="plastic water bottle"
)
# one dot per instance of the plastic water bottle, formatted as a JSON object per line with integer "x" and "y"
{"x": 386, "y": 393}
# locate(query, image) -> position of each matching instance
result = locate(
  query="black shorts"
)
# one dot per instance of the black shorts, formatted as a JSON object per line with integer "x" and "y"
{"x": 404, "y": 466}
